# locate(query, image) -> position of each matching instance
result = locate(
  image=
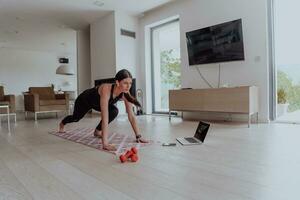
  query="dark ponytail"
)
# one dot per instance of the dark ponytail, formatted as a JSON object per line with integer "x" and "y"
{"x": 131, "y": 99}
{"x": 123, "y": 74}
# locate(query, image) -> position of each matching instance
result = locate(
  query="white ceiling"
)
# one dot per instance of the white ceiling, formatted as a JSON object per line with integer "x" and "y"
{"x": 75, "y": 14}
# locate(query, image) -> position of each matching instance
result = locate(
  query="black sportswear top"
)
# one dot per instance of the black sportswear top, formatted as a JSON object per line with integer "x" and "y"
{"x": 92, "y": 97}
{"x": 113, "y": 100}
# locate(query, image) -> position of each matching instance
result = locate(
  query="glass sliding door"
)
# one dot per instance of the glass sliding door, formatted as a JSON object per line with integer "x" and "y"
{"x": 287, "y": 62}
{"x": 166, "y": 72}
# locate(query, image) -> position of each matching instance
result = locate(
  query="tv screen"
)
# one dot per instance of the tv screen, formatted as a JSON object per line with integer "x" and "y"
{"x": 218, "y": 43}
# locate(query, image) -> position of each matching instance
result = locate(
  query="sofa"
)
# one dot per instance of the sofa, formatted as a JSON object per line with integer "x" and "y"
{"x": 44, "y": 100}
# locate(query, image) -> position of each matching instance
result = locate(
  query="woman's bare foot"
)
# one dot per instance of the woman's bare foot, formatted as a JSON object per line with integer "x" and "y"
{"x": 109, "y": 147}
{"x": 61, "y": 128}
{"x": 97, "y": 133}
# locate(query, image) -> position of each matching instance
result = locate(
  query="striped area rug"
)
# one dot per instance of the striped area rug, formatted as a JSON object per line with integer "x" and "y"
{"x": 86, "y": 136}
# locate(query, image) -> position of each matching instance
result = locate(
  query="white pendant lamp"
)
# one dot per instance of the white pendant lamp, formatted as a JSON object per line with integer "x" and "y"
{"x": 65, "y": 70}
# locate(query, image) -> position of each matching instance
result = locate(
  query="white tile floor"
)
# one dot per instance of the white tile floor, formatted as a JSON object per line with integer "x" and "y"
{"x": 290, "y": 117}
{"x": 235, "y": 162}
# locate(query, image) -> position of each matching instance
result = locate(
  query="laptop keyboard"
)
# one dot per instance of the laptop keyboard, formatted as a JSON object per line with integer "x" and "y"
{"x": 191, "y": 140}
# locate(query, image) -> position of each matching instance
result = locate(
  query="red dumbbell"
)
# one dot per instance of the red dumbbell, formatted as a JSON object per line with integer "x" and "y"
{"x": 134, "y": 158}
{"x": 132, "y": 154}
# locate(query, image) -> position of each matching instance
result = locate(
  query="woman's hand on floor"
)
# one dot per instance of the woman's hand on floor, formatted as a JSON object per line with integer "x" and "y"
{"x": 109, "y": 147}
{"x": 141, "y": 140}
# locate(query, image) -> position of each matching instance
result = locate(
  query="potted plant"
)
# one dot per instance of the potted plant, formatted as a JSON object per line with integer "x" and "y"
{"x": 282, "y": 105}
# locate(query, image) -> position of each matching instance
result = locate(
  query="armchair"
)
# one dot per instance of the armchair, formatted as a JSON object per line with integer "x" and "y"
{"x": 44, "y": 100}
{"x": 7, "y": 100}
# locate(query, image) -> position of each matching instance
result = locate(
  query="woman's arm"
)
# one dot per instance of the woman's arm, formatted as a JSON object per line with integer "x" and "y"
{"x": 132, "y": 120}
{"x": 131, "y": 117}
{"x": 104, "y": 98}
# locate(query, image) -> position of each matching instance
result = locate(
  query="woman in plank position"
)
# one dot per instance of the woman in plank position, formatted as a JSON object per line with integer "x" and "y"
{"x": 103, "y": 98}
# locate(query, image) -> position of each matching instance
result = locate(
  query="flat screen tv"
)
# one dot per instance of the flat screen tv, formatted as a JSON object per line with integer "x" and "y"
{"x": 214, "y": 44}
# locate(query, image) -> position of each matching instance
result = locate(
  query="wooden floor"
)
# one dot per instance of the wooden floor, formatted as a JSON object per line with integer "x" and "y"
{"x": 235, "y": 162}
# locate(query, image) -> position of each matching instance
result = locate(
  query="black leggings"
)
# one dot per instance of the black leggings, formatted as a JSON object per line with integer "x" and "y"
{"x": 81, "y": 108}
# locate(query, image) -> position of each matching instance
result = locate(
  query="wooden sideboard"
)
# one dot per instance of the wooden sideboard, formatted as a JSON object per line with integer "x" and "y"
{"x": 237, "y": 100}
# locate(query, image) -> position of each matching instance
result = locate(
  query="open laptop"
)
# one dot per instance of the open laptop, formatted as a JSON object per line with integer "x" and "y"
{"x": 199, "y": 136}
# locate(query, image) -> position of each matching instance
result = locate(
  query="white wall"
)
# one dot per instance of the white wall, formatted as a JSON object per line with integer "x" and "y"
{"x": 29, "y": 57}
{"x": 195, "y": 14}
{"x": 103, "y": 48}
{"x": 84, "y": 60}
{"x": 111, "y": 51}
{"x": 126, "y": 47}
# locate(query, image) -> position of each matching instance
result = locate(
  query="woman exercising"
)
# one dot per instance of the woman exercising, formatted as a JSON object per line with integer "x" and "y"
{"x": 102, "y": 98}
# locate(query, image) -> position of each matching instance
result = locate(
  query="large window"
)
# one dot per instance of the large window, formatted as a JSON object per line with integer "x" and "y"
{"x": 287, "y": 62}
{"x": 166, "y": 73}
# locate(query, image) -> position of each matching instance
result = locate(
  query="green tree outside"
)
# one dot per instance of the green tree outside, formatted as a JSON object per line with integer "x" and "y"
{"x": 170, "y": 74}
{"x": 292, "y": 91}
{"x": 170, "y": 68}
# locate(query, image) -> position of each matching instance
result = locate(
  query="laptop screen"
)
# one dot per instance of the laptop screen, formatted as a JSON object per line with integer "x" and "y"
{"x": 201, "y": 131}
